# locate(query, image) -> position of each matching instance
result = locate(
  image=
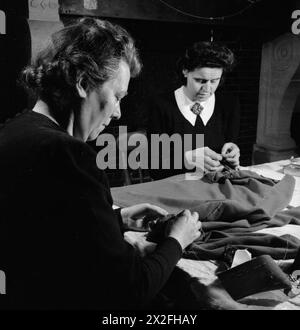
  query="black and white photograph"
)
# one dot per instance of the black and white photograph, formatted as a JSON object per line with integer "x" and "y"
{"x": 149, "y": 158}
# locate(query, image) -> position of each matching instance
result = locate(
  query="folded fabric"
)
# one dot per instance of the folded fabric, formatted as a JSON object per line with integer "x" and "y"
{"x": 230, "y": 211}
{"x": 241, "y": 177}
{"x": 250, "y": 198}
{"x": 213, "y": 244}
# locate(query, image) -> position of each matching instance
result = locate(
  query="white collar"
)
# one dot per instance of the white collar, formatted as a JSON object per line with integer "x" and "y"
{"x": 184, "y": 104}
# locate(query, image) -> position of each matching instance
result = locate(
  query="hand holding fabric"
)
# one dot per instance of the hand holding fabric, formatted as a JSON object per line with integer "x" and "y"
{"x": 186, "y": 228}
{"x": 231, "y": 153}
{"x": 136, "y": 217}
{"x": 205, "y": 159}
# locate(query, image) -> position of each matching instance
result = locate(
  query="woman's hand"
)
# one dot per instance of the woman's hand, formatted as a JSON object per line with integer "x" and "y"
{"x": 186, "y": 228}
{"x": 137, "y": 216}
{"x": 205, "y": 159}
{"x": 231, "y": 153}
{"x": 212, "y": 161}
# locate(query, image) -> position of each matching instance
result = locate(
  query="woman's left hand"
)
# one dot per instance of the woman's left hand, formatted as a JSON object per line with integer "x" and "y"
{"x": 137, "y": 216}
{"x": 231, "y": 153}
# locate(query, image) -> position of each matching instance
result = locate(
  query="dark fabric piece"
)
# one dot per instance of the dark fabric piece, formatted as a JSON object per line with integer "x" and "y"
{"x": 216, "y": 243}
{"x": 241, "y": 177}
{"x": 218, "y": 235}
{"x": 165, "y": 117}
{"x": 230, "y": 212}
{"x": 227, "y": 166}
{"x": 213, "y": 244}
{"x": 61, "y": 244}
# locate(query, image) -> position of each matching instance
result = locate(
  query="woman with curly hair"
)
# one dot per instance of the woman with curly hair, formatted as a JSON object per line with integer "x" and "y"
{"x": 198, "y": 108}
{"x": 62, "y": 244}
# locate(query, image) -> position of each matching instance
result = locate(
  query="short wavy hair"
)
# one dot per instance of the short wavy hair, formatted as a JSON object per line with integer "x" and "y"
{"x": 205, "y": 54}
{"x": 90, "y": 50}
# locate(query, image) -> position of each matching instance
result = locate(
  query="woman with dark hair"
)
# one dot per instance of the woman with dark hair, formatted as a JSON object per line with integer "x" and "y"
{"x": 62, "y": 244}
{"x": 197, "y": 108}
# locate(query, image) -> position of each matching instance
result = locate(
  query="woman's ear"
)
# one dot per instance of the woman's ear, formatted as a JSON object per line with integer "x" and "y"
{"x": 80, "y": 89}
{"x": 185, "y": 72}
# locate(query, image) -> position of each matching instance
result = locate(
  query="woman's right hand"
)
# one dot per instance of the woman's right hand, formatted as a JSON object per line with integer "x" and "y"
{"x": 186, "y": 228}
{"x": 212, "y": 160}
{"x": 205, "y": 159}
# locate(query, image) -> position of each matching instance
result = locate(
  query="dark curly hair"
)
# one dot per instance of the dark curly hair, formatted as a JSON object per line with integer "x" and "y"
{"x": 90, "y": 50}
{"x": 205, "y": 54}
